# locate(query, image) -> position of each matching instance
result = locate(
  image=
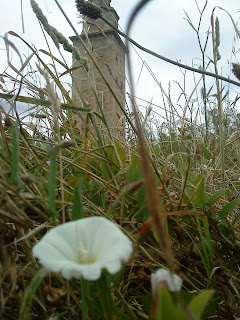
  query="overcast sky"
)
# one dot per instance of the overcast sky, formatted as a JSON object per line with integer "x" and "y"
{"x": 160, "y": 27}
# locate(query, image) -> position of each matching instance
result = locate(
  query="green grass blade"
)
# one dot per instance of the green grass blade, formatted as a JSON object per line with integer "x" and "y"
{"x": 200, "y": 198}
{"x": 205, "y": 260}
{"x": 165, "y": 306}
{"x": 215, "y": 197}
{"x": 84, "y": 299}
{"x": 42, "y": 102}
{"x": 224, "y": 212}
{"x": 14, "y": 178}
{"x": 29, "y": 294}
{"x": 208, "y": 239}
{"x": 121, "y": 153}
{"x": 52, "y": 185}
{"x": 199, "y": 303}
{"x": 77, "y": 209}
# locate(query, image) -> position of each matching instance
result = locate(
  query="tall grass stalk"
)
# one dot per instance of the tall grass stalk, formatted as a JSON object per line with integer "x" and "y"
{"x": 215, "y": 44}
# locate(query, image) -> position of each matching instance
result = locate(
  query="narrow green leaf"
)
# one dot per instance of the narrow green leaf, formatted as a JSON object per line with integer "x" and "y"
{"x": 181, "y": 314}
{"x": 225, "y": 96}
{"x": 134, "y": 171}
{"x": 105, "y": 171}
{"x": 225, "y": 233}
{"x": 209, "y": 91}
{"x": 84, "y": 299}
{"x": 197, "y": 179}
{"x": 105, "y": 297}
{"x": 121, "y": 152}
{"x": 211, "y": 307}
{"x": 54, "y": 58}
{"x": 207, "y": 269}
{"x": 77, "y": 209}
{"x": 215, "y": 197}
{"x": 165, "y": 308}
{"x": 200, "y": 198}
{"x": 29, "y": 294}
{"x": 199, "y": 303}
{"x": 42, "y": 102}
{"x": 205, "y": 258}
{"x": 52, "y": 185}
{"x": 224, "y": 212}
{"x": 14, "y": 178}
{"x": 189, "y": 21}
{"x": 208, "y": 239}
{"x": 205, "y": 151}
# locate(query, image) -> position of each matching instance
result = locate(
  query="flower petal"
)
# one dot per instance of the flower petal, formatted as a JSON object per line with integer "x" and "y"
{"x": 83, "y": 248}
{"x": 164, "y": 277}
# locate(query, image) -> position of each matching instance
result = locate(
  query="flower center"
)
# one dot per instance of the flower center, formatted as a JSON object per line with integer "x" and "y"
{"x": 84, "y": 256}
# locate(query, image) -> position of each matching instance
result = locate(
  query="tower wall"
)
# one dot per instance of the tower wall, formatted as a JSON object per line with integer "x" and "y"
{"x": 108, "y": 51}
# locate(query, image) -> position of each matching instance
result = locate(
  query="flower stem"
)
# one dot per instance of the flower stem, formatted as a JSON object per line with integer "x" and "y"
{"x": 84, "y": 299}
{"x": 105, "y": 297}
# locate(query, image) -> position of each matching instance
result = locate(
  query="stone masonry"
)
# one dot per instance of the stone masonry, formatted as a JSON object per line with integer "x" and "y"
{"x": 109, "y": 52}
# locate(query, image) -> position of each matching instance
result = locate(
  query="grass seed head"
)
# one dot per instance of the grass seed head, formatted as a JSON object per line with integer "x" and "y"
{"x": 88, "y": 9}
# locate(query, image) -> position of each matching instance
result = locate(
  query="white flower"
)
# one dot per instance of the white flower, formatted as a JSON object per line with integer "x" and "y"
{"x": 165, "y": 278}
{"x": 83, "y": 248}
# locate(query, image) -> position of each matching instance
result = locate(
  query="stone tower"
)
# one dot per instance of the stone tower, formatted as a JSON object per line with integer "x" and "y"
{"x": 109, "y": 52}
